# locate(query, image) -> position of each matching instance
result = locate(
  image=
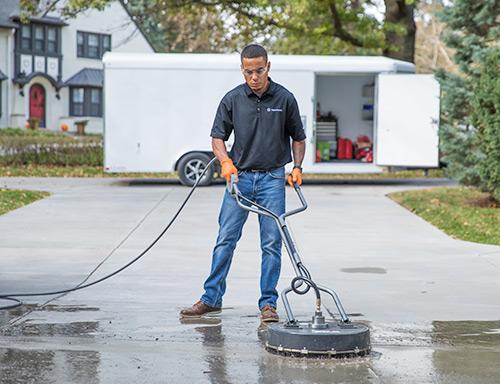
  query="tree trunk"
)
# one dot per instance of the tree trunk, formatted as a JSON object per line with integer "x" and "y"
{"x": 400, "y": 46}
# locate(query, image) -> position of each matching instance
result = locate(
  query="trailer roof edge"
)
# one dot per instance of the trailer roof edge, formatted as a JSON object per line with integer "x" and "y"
{"x": 278, "y": 62}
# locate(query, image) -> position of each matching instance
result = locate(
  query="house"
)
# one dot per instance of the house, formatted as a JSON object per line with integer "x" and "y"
{"x": 51, "y": 68}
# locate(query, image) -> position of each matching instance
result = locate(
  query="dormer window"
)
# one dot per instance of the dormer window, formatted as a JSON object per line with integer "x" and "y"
{"x": 26, "y": 37}
{"x": 51, "y": 40}
{"x": 92, "y": 45}
{"x": 39, "y": 39}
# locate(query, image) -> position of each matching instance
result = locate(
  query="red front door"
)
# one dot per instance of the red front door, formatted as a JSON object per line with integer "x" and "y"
{"x": 37, "y": 103}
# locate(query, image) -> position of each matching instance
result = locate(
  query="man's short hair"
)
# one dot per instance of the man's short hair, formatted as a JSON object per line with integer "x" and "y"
{"x": 253, "y": 50}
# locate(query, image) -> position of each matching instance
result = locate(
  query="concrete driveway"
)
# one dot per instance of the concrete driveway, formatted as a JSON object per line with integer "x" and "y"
{"x": 432, "y": 302}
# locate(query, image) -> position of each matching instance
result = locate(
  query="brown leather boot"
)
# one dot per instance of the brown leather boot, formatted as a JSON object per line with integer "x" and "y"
{"x": 199, "y": 309}
{"x": 268, "y": 314}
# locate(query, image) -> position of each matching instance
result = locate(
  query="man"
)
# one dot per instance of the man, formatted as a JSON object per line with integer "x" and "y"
{"x": 263, "y": 116}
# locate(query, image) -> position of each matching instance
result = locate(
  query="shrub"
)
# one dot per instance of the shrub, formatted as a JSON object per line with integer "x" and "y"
{"x": 22, "y": 147}
{"x": 469, "y": 136}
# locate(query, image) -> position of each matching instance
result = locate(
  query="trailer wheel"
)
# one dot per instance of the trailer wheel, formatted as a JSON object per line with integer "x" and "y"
{"x": 191, "y": 166}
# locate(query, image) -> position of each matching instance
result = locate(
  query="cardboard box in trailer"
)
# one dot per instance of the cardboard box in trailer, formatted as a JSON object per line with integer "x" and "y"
{"x": 360, "y": 113}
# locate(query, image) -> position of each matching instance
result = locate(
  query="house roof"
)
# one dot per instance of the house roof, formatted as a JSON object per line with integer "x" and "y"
{"x": 146, "y": 37}
{"x": 9, "y": 9}
{"x": 45, "y": 19}
{"x": 10, "y": 12}
{"x": 86, "y": 77}
{"x": 3, "y": 76}
{"x": 22, "y": 80}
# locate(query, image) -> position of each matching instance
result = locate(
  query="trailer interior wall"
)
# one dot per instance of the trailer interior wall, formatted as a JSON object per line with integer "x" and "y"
{"x": 345, "y": 106}
{"x": 343, "y": 96}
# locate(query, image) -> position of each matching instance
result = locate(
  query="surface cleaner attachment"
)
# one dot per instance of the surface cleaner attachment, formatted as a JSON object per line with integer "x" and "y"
{"x": 318, "y": 337}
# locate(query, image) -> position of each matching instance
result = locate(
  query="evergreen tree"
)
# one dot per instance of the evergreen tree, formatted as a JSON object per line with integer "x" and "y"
{"x": 474, "y": 36}
{"x": 146, "y": 14}
{"x": 486, "y": 118}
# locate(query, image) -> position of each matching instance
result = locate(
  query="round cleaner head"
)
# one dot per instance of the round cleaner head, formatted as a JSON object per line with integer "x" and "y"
{"x": 333, "y": 339}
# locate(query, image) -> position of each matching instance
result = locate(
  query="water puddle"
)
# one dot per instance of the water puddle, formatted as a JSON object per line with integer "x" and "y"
{"x": 467, "y": 333}
{"x": 48, "y": 320}
{"x": 438, "y": 333}
{"x": 41, "y": 366}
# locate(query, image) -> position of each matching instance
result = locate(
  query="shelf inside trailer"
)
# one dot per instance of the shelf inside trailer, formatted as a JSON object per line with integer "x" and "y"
{"x": 344, "y": 113}
{"x": 326, "y": 139}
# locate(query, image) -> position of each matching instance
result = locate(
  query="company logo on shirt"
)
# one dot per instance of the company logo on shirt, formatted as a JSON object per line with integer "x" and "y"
{"x": 274, "y": 110}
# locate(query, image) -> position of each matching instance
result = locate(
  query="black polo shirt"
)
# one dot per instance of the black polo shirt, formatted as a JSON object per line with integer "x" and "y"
{"x": 262, "y": 126}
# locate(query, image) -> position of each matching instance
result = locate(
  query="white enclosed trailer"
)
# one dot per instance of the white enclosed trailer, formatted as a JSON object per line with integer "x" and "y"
{"x": 159, "y": 110}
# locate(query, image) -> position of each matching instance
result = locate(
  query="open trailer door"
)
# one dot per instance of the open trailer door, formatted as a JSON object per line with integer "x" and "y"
{"x": 407, "y": 120}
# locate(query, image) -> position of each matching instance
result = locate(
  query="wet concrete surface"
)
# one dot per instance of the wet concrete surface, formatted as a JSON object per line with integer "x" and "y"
{"x": 431, "y": 302}
{"x": 365, "y": 270}
{"x": 230, "y": 349}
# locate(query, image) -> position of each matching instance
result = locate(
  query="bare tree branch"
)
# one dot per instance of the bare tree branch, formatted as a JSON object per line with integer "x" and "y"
{"x": 50, "y": 7}
{"x": 338, "y": 30}
{"x": 236, "y": 7}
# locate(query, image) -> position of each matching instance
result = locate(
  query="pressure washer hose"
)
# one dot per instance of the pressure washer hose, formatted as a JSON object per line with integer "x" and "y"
{"x": 12, "y": 296}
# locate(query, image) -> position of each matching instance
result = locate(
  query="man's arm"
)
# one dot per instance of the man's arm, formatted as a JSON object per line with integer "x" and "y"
{"x": 298, "y": 150}
{"x": 296, "y": 131}
{"x": 219, "y": 149}
{"x": 227, "y": 166}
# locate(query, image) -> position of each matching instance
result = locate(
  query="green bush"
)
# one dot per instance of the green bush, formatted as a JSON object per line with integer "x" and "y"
{"x": 28, "y": 132}
{"x": 486, "y": 118}
{"x": 469, "y": 132}
{"x": 24, "y": 146}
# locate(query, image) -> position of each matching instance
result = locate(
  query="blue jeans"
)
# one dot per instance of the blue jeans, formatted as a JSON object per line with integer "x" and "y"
{"x": 268, "y": 190}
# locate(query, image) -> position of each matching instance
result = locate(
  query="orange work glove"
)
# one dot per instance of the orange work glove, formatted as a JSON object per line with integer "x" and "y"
{"x": 295, "y": 177}
{"x": 228, "y": 169}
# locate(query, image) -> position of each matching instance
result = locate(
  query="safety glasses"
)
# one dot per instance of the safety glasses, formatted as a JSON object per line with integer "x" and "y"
{"x": 259, "y": 71}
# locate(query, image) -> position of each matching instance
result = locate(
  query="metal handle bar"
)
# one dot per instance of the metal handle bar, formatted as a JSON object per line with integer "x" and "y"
{"x": 300, "y": 270}
{"x": 259, "y": 209}
{"x": 302, "y": 201}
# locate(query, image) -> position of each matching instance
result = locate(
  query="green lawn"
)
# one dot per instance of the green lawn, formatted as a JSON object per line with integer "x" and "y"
{"x": 91, "y": 171}
{"x": 463, "y": 213}
{"x": 13, "y": 199}
{"x": 33, "y": 170}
